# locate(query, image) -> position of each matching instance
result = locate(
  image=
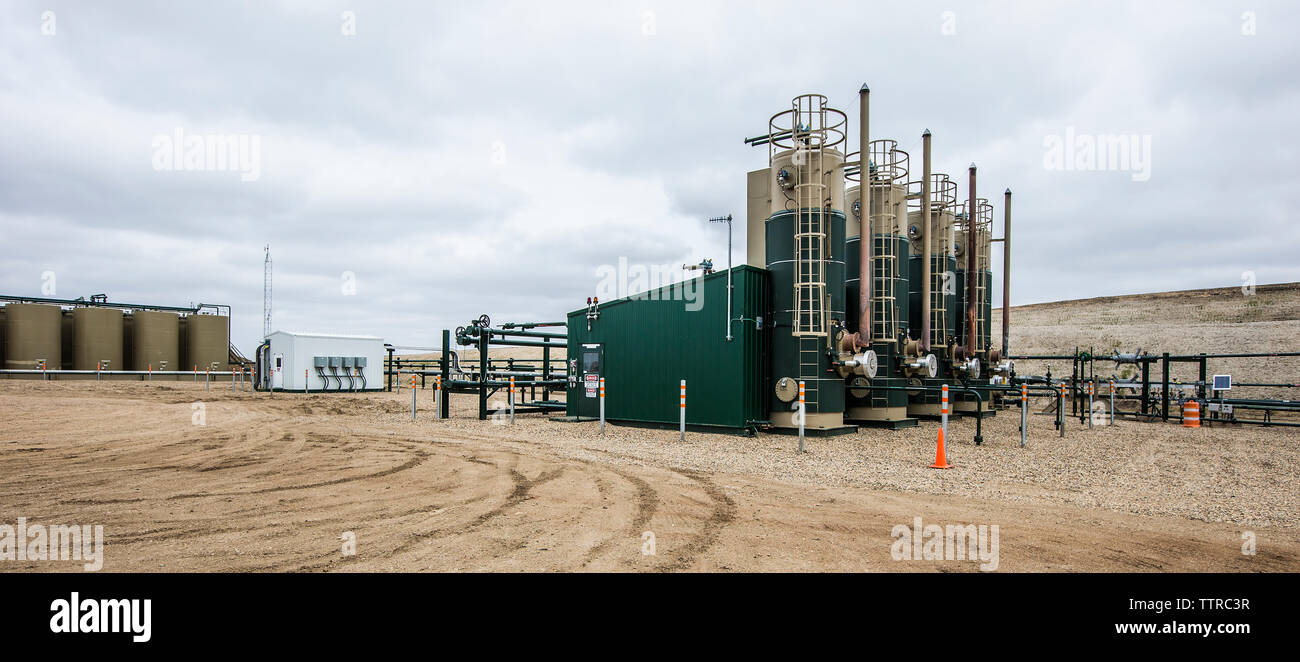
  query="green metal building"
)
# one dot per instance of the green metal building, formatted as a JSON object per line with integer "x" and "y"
{"x": 644, "y": 346}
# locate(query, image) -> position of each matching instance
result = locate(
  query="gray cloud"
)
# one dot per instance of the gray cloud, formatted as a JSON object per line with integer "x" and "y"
{"x": 461, "y": 159}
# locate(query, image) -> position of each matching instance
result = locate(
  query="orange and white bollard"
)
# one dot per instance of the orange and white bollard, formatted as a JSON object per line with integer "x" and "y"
{"x": 943, "y": 410}
{"x": 940, "y": 450}
{"x": 683, "y": 410}
{"x": 512, "y": 400}
{"x": 412, "y": 397}
{"x": 1191, "y": 414}
{"x": 437, "y": 396}
{"x": 802, "y": 414}
{"x": 1024, "y": 414}
{"x": 602, "y": 405}
{"x": 1112, "y": 402}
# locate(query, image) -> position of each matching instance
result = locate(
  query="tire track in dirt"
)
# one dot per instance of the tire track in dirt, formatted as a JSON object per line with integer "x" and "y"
{"x": 647, "y": 503}
{"x": 522, "y": 486}
{"x": 724, "y": 512}
{"x": 410, "y": 464}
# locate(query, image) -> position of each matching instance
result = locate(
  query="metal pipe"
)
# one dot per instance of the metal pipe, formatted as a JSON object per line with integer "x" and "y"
{"x": 1006, "y": 271}
{"x": 926, "y": 228}
{"x": 866, "y": 248}
{"x": 972, "y": 213}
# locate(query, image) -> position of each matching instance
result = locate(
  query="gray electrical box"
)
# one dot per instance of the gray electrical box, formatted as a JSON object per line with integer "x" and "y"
{"x": 360, "y": 361}
{"x": 347, "y": 361}
{"x": 336, "y": 362}
{"x": 320, "y": 361}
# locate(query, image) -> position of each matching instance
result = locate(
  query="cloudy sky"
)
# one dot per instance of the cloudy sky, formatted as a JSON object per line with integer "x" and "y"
{"x": 420, "y": 164}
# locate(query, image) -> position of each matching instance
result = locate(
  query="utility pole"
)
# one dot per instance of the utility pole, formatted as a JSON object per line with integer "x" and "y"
{"x": 266, "y": 293}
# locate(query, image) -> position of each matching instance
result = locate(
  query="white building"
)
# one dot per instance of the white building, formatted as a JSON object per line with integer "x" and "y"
{"x": 322, "y": 362}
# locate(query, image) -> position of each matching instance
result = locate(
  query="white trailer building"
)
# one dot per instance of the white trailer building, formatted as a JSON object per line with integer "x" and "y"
{"x": 320, "y": 362}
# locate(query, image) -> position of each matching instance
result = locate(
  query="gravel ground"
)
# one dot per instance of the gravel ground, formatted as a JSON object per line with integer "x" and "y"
{"x": 1238, "y": 475}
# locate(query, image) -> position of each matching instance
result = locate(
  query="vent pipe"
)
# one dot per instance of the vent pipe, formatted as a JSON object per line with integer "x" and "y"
{"x": 972, "y": 213}
{"x": 926, "y": 232}
{"x": 866, "y": 277}
{"x": 1006, "y": 271}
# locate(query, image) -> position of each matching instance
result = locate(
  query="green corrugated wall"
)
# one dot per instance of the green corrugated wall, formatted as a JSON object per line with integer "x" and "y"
{"x": 654, "y": 341}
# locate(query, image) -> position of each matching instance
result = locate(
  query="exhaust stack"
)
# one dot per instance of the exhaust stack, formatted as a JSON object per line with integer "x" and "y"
{"x": 866, "y": 277}
{"x": 1006, "y": 271}
{"x": 926, "y": 231}
{"x": 972, "y": 211}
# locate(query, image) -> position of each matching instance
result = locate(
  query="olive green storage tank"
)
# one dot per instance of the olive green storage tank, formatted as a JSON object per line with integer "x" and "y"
{"x": 207, "y": 341}
{"x": 156, "y": 341}
{"x": 33, "y": 332}
{"x": 97, "y": 342}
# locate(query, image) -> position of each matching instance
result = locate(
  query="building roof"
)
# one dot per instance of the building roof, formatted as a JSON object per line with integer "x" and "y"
{"x": 303, "y": 334}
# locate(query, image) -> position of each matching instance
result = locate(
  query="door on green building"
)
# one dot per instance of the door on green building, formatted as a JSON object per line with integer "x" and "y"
{"x": 591, "y": 367}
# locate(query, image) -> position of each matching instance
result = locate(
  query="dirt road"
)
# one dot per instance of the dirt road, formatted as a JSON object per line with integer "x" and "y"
{"x": 275, "y": 483}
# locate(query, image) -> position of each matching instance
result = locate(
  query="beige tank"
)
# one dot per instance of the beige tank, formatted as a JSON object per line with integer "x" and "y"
{"x": 888, "y": 209}
{"x": 97, "y": 341}
{"x": 207, "y": 342}
{"x": 156, "y": 341}
{"x": 33, "y": 332}
{"x": 824, "y": 166}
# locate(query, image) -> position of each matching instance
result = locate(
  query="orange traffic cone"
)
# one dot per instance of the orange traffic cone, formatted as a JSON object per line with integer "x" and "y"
{"x": 940, "y": 458}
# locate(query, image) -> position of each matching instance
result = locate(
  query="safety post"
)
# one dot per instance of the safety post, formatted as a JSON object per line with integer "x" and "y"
{"x": 306, "y": 382}
{"x": 196, "y": 373}
{"x": 99, "y": 365}
{"x": 232, "y": 380}
{"x": 512, "y": 400}
{"x": 602, "y": 405}
{"x": 43, "y": 377}
{"x": 683, "y": 410}
{"x": 150, "y": 372}
{"x": 1112, "y": 402}
{"x": 412, "y": 396}
{"x": 803, "y": 413}
{"x": 1024, "y": 414}
{"x": 943, "y": 412}
{"x": 437, "y": 395}
{"x": 207, "y": 379}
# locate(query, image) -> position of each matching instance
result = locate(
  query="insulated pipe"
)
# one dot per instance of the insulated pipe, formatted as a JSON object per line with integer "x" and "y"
{"x": 925, "y": 242}
{"x": 1006, "y": 270}
{"x": 866, "y": 276}
{"x": 972, "y": 213}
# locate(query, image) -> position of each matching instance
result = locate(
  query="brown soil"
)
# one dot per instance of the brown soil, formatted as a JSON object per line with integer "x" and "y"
{"x": 272, "y": 482}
